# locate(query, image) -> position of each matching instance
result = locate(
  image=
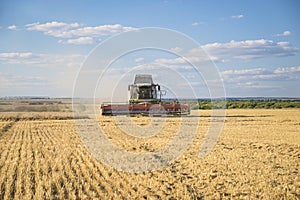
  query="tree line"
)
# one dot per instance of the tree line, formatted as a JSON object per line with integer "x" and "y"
{"x": 247, "y": 104}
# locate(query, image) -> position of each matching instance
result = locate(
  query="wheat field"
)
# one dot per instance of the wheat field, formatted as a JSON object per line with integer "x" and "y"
{"x": 257, "y": 157}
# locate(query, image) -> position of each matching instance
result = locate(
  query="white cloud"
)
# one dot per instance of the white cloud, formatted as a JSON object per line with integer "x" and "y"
{"x": 51, "y": 28}
{"x": 270, "y": 77}
{"x": 224, "y": 52}
{"x": 237, "y": 16}
{"x": 12, "y": 27}
{"x": 96, "y": 30}
{"x": 287, "y": 70}
{"x": 193, "y": 57}
{"x": 174, "y": 61}
{"x": 254, "y": 71}
{"x": 250, "y": 49}
{"x": 176, "y": 49}
{"x": 65, "y": 30}
{"x": 257, "y": 76}
{"x": 255, "y": 85}
{"x": 138, "y": 60}
{"x": 81, "y": 40}
{"x": 197, "y": 23}
{"x": 7, "y": 56}
{"x": 285, "y": 33}
{"x": 41, "y": 60}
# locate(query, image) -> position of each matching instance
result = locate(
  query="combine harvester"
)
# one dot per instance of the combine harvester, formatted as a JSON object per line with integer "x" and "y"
{"x": 145, "y": 99}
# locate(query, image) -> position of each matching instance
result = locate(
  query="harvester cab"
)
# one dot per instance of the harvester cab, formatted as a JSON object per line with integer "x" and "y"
{"x": 144, "y": 90}
{"x": 145, "y": 99}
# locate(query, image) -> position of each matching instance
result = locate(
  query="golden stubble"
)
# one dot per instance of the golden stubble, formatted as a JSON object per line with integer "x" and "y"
{"x": 257, "y": 157}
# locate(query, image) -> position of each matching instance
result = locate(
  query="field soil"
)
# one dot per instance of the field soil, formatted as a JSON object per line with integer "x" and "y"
{"x": 257, "y": 156}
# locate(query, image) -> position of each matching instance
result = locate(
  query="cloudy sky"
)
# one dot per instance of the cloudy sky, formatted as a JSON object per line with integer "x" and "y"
{"x": 254, "y": 44}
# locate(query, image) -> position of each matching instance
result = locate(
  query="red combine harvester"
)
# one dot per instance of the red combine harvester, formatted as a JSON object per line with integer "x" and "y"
{"x": 145, "y": 99}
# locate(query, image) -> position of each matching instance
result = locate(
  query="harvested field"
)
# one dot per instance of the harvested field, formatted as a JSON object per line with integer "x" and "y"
{"x": 257, "y": 157}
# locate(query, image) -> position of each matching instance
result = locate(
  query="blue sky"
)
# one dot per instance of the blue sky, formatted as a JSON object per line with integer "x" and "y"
{"x": 255, "y": 44}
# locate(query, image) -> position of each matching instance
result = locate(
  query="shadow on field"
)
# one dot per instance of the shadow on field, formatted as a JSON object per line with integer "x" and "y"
{"x": 200, "y": 116}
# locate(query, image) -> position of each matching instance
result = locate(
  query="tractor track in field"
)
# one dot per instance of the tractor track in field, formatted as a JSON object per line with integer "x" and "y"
{"x": 8, "y": 126}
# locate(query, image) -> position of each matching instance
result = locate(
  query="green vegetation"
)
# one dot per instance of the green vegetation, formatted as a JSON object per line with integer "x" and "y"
{"x": 247, "y": 104}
